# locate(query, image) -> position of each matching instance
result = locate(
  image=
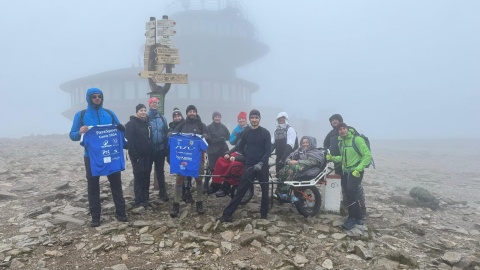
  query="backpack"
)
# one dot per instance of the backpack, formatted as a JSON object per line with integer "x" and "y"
{"x": 367, "y": 142}
{"x": 82, "y": 115}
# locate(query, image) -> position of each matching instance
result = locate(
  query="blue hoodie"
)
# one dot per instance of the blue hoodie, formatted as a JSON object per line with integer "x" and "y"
{"x": 93, "y": 116}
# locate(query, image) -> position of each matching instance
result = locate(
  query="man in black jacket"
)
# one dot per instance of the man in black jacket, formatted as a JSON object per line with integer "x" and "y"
{"x": 193, "y": 124}
{"x": 331, "y": 140}
{"x": 255, "y": 145}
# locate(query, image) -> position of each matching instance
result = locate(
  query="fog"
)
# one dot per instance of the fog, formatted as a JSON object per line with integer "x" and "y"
{"x": 400, "y": 69}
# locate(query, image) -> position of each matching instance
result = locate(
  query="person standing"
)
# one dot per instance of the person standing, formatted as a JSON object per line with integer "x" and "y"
{"x": 353, "y": 165}
{"x": 177, "y": 119}
{"x": 237, "y": 131}
{"x": 331, "y": 140}
{"x": 193, "y": 125}
{"x": 255, "y": 145}
{"x": 284, "y": 140}
{"x": 159, "y": 127}
{"x": 96, "y": 115}
{"x": 140, "y": 152}
{"x": 217, "y": 146}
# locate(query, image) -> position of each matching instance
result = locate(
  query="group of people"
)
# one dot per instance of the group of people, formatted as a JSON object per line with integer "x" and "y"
{"x": 147, "y": 137}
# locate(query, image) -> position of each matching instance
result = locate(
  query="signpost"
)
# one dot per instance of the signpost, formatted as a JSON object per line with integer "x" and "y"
{"x": 160, "y": 54}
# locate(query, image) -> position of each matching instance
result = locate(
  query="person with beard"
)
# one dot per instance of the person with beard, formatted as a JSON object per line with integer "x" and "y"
{"x": 217, "y": 146}
{"x": 284, "y": 140}
{"x": 140, "y": 151}
{"x": 331, "y": 140}
{"x": 159, "y": 128}
{"x": 193, "y": 124}
{"x": 94, "y": 115}
{"x": 353, "y": 165}
{"x": 255, "y": 145}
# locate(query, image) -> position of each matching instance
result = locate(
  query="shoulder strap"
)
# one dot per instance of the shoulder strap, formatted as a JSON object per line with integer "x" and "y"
{"x": 82, "y": 115}
{"x": 354, "y": 145}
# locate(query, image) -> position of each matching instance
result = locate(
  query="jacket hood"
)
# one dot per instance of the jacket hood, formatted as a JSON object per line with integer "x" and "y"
{"x": 282, "y": 114}
{"x": 311, "y": 140}
{"x": 92, "y": 91}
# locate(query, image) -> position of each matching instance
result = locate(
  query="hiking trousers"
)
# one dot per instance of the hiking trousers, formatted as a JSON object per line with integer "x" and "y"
{"x": 354, "y": 195}
{"x": 93, "y": 189}
{"x": 246, "y": 182}
{"x": 158, "y": 157}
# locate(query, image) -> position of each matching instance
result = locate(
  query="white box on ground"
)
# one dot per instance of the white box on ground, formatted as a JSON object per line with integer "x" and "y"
{"x": 332, "y": 194}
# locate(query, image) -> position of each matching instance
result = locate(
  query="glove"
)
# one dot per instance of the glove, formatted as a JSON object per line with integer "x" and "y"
{"x": 329, "y": 157}
{"x": 258, "y": 166}
{"x": 121, "y": 127}
{"x": 356, "y": 173}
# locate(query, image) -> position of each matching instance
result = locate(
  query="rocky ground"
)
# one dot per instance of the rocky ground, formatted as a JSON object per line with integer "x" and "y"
{"x": 45, "y": 223}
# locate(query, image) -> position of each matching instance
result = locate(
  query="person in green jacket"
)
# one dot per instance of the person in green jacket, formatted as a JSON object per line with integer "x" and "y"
{"x": 353, "y": 165}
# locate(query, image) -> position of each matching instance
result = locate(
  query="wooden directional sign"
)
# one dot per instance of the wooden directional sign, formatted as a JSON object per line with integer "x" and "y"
{"x": 159, "y": 77}
{"x": 170, "y": 78}
{"x": 163, "y": 59}
{"x": 165, "y": 23}
{"x": 150, "y": 41}
{"x": 166, "y": 32}
{"x": 166, "y": 51}
{"x": 150, "y": 33}
{"x": 150, "y": 25}
{"x": 166, "y": 41}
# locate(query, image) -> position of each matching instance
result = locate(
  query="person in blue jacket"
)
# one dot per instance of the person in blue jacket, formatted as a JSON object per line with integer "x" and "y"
{"x": 95, "y": 115}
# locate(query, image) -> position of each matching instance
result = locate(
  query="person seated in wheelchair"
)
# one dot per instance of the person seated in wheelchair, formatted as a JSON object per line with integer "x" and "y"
{"x": 228, "y": 170}
{"x": 302, "y": 164}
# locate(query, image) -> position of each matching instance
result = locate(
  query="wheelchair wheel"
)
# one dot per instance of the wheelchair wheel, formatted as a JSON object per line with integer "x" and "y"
{"x": 309, "y": 200}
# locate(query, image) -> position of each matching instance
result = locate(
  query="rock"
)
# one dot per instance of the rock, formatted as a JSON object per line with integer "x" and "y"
{"x": 338, "y": 236}
{"x": 143, "y": 230}
{"x": 53, "y": 253}
{"x": 363, "y": 252}
{"x": 299, "y": 259}
{"x": 17, "y": 264}
{"x": 402, "y": 258}
{"x": 146, "y": 239}
{"x": 327, "y": 264}
{"x": 62, "y": 186}
{"x": 451, "y": 258}
{"x": 226, "y": 246}
{"x": 385, "y": 264}
{"x": 119, "y": 267}
{"x": 425, "y": 197}
{"x": 4, "y": 195}
{"x": 61, "y": 219}
{"x": 38, "y": 211}
{"x": 138, "y": 210}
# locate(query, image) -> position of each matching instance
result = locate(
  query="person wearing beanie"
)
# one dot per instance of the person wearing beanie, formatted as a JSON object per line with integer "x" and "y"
{"x": 95, "y": 115}
{"x": 193, "y": 124}
{"x": 177, "y": 119}
{"x": 159, "y": 131}
{"x": 284, "y": 140}
{"x": 353, "y": 165}
{"x": 237, "y": 131}
{"x": 217, "y": 145}
{"x": 255, "y": 145}
{"x": 139, "y": 150}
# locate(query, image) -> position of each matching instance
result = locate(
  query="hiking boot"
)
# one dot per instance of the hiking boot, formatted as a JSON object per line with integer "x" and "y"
{"x": 220, "y": 193}
{"x": 164, "y": 196}
{"x": 349, "y": 223}
{"x": 359, "y": 221}
{"x": 95, "y": 223}
{"x": 121, "y": 218}
{"x": 175, "y": 210}
{"x": 263, "y": 216}
{"x": 225, "y": 219}
{"x": 200, "y": 209}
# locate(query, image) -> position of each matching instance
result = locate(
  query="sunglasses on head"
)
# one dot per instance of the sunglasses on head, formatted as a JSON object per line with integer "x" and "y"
{"x": 96, "y": 96}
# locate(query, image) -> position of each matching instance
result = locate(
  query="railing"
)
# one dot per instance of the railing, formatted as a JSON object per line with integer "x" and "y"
{"x": 212, "y": 5}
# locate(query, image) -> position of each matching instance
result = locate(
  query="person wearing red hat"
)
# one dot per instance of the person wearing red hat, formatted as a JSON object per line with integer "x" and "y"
{"x": 237, "y": 131}
{"x": 159, "y": 130}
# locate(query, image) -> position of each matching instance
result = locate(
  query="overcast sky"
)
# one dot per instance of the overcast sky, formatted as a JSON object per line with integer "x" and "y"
{"x": 393, "y": 69}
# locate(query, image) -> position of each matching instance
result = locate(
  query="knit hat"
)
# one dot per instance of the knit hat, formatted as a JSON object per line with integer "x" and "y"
{"x": 140, "y": 106}
{"x": 176, "y": 111}
{"x": 153, "y": 99}
{"x": 254, "y": 112}
{"x": 242, "y": 115}
{"x": 191, "y": 107}
{"x": 215, "y": 113}
{"x": 336, "y": 116}
{"x": 341, "y": 125}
